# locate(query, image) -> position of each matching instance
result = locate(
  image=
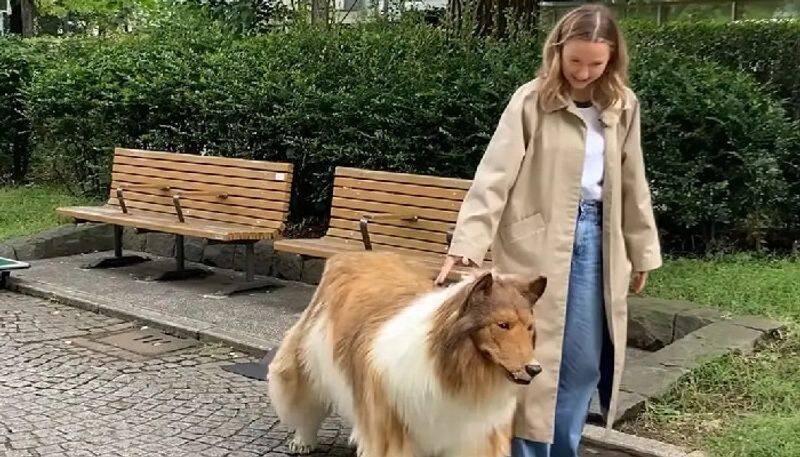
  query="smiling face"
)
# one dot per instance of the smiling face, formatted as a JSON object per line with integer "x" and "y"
{"x": 584, "y": 62}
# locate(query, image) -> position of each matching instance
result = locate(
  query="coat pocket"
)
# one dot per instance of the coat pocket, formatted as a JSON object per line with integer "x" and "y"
{"x": 523, "y": 228}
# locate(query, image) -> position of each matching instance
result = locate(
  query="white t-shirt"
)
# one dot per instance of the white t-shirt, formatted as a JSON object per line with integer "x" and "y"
{"x": 592, "y": 180}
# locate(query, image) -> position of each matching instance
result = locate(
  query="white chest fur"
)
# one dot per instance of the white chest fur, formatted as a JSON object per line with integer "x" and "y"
{"x": 438, "y": 422}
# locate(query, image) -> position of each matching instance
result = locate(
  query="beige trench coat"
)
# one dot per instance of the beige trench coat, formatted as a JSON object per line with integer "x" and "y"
{"x": 523, "y": 204}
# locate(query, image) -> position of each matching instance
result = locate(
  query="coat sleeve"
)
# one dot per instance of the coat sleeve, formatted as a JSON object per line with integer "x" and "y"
{"x": 638, "y": 221}
{"x": 497, "y": 171}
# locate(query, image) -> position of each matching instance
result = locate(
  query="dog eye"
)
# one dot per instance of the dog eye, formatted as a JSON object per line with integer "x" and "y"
{"x": 530, "y": 328}
{"x": 504, "y": 325}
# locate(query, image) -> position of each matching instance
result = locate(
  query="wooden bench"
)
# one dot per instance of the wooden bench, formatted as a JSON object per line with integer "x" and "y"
{"x": 384, "y": 211}
{"x": 223, "y": 200}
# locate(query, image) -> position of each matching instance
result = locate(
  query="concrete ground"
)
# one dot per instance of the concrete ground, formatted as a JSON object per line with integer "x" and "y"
{"x": 260, "y": 317}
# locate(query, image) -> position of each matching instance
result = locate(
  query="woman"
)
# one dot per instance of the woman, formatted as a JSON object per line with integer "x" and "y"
{"x": 561, "y": 191}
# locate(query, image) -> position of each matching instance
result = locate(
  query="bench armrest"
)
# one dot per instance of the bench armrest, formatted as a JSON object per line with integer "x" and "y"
{"x": 152, "y": 185}
{"x": 398, "y": 216}
{"x": 212, "y": 193}
{"x": 122, "y": 188}
{"x": 176, "y": 195}
{"x": 176, "y": 199}
{"x": 367, "y": 218}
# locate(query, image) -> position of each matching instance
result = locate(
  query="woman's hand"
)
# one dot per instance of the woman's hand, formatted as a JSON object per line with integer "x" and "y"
{"x": 449, "y": 263}
{"x": 638, "y": 281}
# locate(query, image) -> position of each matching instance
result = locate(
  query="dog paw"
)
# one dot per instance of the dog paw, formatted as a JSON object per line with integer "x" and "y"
{"x": 299, "y": 446}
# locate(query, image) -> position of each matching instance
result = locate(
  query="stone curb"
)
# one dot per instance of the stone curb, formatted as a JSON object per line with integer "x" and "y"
{"x": 185, "y": 327}
{"x": 179, "y": 326}
{"x": 641, "y": 447}
{"x": 737, "y": 335}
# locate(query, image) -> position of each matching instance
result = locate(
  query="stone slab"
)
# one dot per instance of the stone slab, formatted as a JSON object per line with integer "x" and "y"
{"x": 191, "y": 306}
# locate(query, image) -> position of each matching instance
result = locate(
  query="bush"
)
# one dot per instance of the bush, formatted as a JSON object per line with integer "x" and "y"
{"x": 403, "y": 98}
{"x": 769, "y": 50}
{"x": 20, "y": 60}
{"x": 14, "y": 70}
{"x": 721, "y": 153}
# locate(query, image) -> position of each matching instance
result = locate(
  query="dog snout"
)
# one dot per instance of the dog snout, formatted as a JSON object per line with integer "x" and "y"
{"x": 533, "y": 370}
{"x": 526, "y": 374}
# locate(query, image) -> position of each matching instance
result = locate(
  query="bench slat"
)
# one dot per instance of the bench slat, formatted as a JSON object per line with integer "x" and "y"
{"x": 405, "y": 200}
{"x": 274, "y": 204}
{"x": 163, "y": 223}
{"x": 216, "y": 170}
{"x": 316, "y": 247}
{"x": 328, "y": 246}
{"x": 268, "y": 193}
{"x": 421, "y": 224}
{"x": 196, "y": 214}
{"x": 390, "y": 237}
{"x": 424, "y": 180}
{"x": 140, "y": 200}
{"x": 376, "y": 207}
{"x": 182, "y": 176}
{"x": 400, "y": 188}
{"x": 196, "y": 158}
{"x": 400, "y": 232}
{"x": 384, "y": 240}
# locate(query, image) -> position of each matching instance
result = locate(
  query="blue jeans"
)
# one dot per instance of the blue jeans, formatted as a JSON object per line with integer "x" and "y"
{"x": 584, "y": 334}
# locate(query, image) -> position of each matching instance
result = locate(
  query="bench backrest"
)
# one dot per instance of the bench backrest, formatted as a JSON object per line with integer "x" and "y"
{"x": 435, "y": 200}
{"x": 257, "y": 193}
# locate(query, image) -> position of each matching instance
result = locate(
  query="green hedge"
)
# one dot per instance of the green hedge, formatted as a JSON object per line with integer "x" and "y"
{"x": 767, "y": 49}
{"x": 722, "y": 154}
{"x": 721, "y": 151}
{"x": 404, "y": 98}
{"x": 14, "y": 128}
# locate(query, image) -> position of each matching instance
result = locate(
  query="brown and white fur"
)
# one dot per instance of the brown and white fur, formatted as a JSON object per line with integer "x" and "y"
{"x": 418, "y": 370}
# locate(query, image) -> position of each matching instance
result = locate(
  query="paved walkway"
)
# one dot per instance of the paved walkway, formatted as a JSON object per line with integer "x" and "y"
{"x": 59, "y": 397}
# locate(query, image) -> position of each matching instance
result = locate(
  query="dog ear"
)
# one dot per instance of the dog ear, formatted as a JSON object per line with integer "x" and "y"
{"x": 533, "y": 290}
{"x": 477, "y": 292}
{"x": 483, "y": 284}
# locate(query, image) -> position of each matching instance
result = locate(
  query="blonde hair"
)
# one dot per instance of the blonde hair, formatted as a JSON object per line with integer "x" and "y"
{"x": 594, "y": 23}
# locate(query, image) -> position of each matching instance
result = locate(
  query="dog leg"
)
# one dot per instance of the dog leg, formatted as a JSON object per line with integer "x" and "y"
{"x": 298, "y": 405}
{"x": 313, "y": 412}
{"x": 303, "y": 413}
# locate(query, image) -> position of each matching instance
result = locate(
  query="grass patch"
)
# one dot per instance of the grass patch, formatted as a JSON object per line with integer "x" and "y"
{"x": 27, "y": 210}
{"x": 736, "y": 405}
{"x": 760, "y": 436}
{"x": 741, "y": 283}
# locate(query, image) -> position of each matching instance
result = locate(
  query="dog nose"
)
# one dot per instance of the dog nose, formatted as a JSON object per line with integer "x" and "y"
{"x": 533, "y": 370}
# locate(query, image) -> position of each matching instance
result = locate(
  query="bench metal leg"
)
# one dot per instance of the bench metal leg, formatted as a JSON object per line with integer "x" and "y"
{"x": 181, "y": 272}
{"x": 118, "y": 260}
{"x": 250, "y": 284}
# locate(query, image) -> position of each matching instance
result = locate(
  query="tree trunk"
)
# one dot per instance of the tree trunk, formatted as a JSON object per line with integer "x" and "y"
{"x": 26, "y": 14}
{"x": 499, "y": 18}
{"x": 320, "y": 12}
{"x": 20, "y": 155}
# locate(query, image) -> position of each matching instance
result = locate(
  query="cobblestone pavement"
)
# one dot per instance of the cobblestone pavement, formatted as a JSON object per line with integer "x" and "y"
{"x": 62, "y": 396}
{"x": 60, "y": 399}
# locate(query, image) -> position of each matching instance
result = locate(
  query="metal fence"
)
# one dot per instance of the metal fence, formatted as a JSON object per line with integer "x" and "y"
{"x": 668, "y": 10}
